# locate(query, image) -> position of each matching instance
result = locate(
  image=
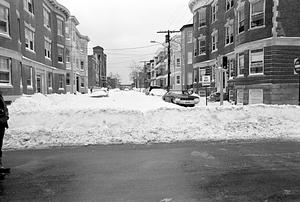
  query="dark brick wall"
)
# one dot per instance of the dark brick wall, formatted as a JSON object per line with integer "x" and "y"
{"x": 289, "y": 18}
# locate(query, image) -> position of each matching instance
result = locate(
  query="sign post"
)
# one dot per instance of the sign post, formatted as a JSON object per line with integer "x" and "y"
{"x": 297, "y": 70}
{"x": 206, "y": 82}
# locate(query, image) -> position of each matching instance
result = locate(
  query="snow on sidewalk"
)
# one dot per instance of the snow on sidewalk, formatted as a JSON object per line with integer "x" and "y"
{"x": 131, "y": 117}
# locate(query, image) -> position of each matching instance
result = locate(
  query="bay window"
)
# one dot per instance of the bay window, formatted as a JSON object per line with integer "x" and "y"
{"x": 5, "y": 70}
{"x": 241, "y": 64}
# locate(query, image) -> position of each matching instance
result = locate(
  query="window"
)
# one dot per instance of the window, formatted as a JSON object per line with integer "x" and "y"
{"x": 82, "y": 82}
{"x": 68, "y": 59}
{"x": 48, "y": 49}
{"x": 229, "y": 34}
{"x": 231, "y": 69}
{"x": 4, "y": 23}
{"x": 29, "y": 76}
{"x": 190, "y": 57}
{"x": 241, "y": 64}
{"x": 68, "y": 79}
{"x": 241, "y": 20}
{"x": 178, "y": 63}
{"x": 189, "y": 36}
{"x": 256, "y": 62}
{"x": 47, "y": 18}
{"x": 60, "y": 52}
{"x": 82, "y": 65}
{"x": 61, "y": 81}
{"x": 202, "y": 46}
{"x": 202, "y": 17}
{"x": 229, "y": 4}
{"x": 178, "y": 80}
{"x": 29, "y": 39}
{"x": 50, "y": 79}
{"x": 5, "y": 70}
{"x": 67, "y": 30}
{"x": 59, "y": 27}
{"x": 257, "y": 13}
{"x": 195, "y": 47}
{"x": 214, "y": 13}
{"x": 214, "y": 41}
{"x": 28, "y": 4}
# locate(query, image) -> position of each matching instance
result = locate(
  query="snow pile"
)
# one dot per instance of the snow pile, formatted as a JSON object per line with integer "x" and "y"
{"x": 132, "y": 117}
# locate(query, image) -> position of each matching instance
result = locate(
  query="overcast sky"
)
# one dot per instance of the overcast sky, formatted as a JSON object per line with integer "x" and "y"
{"x": 123, "y": 24}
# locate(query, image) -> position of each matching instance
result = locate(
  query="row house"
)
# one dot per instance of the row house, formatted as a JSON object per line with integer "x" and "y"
{"x": 187, "y": 57}
{"x": 251, "y": 44}
{"x": 76, "y": 58}
{"x": 97, "y": 68}
{"x": 159, "y": 70}
{"x": 32, "y": 47}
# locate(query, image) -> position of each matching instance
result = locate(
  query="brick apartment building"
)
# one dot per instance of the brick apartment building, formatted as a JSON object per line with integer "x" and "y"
{"x": 76, "y": 58}
{"x": 32, "y": 47}
{"x": 97, "y": 72}
{"x": 255, "y": 41}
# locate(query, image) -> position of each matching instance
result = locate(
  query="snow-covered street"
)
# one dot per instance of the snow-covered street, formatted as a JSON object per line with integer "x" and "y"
{"x": 43, "y": 121}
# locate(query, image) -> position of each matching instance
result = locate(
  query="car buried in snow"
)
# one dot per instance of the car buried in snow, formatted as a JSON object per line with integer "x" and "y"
{"x": 99, "y": 92}
{"x": 182, "y": 98}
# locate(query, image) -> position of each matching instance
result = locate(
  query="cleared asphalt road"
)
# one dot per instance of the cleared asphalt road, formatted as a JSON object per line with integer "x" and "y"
{"x": 204, "y": 171}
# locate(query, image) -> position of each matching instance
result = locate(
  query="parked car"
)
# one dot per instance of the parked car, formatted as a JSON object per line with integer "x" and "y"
{"x": 147, "y": 91}
{"x": 216, "y": 97}
{"x": 99, "y": 92}
{"x": 182, "y": 98}
{"x": 158, "y": 92}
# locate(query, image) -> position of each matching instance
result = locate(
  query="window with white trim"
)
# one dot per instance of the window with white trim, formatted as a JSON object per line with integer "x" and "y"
{"x": 29, "y": 77}
{"x": 60, "y": 54}
{"x": 202, "y": 46}
{"x": 5, "y": 70}
{"x": 48, "y": 48}
{"x": 231, "y": 68}
{"x": 256, "y": 62}
{"x": 29, "y": 39}
{"x": 214, "y": 9}
{"x": 60, "y": 27}
{"x": 229, "y": 4}
{"x": 189, "y": 37}
{"x": 178, "y": 62}
{"x": 4, "y": 20}
{"x": 47, "y": 18}
{"x": 241, "y": 64}
{"x": 229, "y": 34}
{"x": 178, "y": 79}
{"x": 241, "y": 20}
{"x": 29, "y": 7}
{"x": 202, "y": 17}
{"x": 214, "y": 41}
{"x": 257, "y": 10}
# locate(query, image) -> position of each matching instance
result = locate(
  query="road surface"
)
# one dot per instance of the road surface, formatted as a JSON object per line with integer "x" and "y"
{"x": 203, "y": 171}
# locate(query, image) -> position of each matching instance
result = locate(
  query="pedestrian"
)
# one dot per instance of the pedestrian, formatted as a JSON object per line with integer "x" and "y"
{"x": 4, "y": 116}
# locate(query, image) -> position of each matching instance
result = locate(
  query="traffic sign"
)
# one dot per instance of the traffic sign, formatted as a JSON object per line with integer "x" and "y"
{"x": 205, "y": 80}
{"x": 297, "y": 65}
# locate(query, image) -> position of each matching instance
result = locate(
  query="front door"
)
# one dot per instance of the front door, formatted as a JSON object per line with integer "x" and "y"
{"x": 77, "y": 84}
{"x": 38, "y": 84}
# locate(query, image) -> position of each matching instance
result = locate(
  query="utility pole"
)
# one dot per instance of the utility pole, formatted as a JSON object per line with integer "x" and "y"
{"x": 168, "y": 40}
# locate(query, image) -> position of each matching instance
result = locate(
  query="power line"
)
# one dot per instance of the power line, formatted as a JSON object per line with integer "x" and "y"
{"x": 131, "y": 48}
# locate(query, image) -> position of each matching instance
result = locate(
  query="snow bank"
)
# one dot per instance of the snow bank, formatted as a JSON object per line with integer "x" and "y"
{"x": 132, "y": 117}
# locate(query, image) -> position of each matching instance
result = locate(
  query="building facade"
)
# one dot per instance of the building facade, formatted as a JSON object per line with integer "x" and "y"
{"x": 187, "y": 72}
{"x": 76, "y": 58}
{"x": 97, "y": 75}
{"x": 248, "y": 46}
{"x": 33, "y": 48}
